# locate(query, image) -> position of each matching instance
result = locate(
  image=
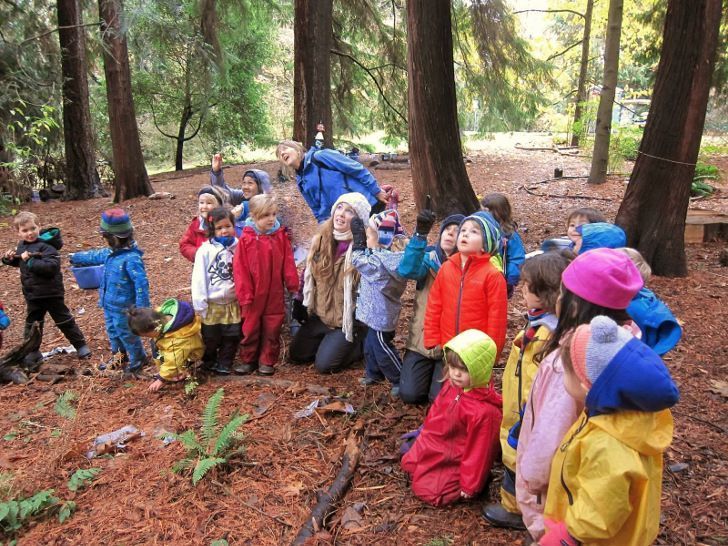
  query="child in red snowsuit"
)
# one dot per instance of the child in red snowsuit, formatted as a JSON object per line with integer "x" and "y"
{"x": 263, "y": 266}
{"x": 208, "y": 198}
{"x": 453, "y": 454}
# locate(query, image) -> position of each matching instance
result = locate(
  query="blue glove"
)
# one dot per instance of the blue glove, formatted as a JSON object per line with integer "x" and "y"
{"x": 4, "y": 320}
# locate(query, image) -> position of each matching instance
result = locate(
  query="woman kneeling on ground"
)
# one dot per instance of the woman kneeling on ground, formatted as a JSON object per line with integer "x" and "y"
{"x": 329, "y": 334}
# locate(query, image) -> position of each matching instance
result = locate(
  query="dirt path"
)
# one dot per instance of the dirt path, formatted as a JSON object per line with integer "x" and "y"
{"x": 137, "y": 500}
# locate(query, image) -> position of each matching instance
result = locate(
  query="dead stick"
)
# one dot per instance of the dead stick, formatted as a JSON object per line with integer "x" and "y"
{"x": 338, "y": 488}
{"x": 270, "y": 382}
{"x": 528, "y": 190}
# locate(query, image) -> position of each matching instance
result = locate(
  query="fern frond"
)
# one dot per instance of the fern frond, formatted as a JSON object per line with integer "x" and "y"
{"x": 228, "y": 435}
{"x": 203, "y": 467}
{"x": 210, "y": 417}
{"x": 64, "y": 406}
{"x": 181, "y": 465}
{"x": 190, "y": 442}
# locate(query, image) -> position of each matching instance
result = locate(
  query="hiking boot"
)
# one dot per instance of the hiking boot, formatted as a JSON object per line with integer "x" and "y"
{"x": 83, "y": 352}
{"x": 244, "y": 369}
{"x": 498, "y": 516}
{"x": 32, "y": 359}
{"x": 221, "y": 369}
{"x": 264, "y": 369}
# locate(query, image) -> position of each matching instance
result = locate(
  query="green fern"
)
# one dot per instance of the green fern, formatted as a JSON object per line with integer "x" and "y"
{"x": 189, "y": 440}
{"x": 64, "y": 405}
{"x": 210, "y": 417}
{"x": 81, "y": 478}
{"x": 228, "y": 435}
{"x": 204, "y": 466}
{"x": 14, "y": 514}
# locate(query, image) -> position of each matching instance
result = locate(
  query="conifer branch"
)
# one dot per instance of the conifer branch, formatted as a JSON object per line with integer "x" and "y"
{"x": 572, "y": 46}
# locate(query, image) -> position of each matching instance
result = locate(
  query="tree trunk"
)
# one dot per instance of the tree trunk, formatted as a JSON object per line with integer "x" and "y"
{"x": 656, "y": 201}
{"x": 82, "y": 178}
{"x": 131, "y": 178}
{"x": 600, "y": 156}
{"x": 312, "y": 41}
{"x": 186, "y": 116}
{"x": 436, "y": 153}
{"x": 583, "y": 68}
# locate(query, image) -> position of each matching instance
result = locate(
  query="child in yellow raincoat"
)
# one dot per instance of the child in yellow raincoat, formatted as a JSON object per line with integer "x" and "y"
{"x": 176, "y": 331}
{"x": 606, "y": 479}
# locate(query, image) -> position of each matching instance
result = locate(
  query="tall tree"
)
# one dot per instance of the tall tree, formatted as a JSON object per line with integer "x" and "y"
{"x": 656, "y": 201}
{"x": 434, "y": 137}
{"x": 312, "y": 41}
{"x": 131, "y": 174}
{"x": 583, "y": 68}
{"x": 600, "y": 155}
{"x": 82, "y": 178}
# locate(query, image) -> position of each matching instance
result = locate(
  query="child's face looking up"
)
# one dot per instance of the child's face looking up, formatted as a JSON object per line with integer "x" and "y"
{"x": 249, "y": 187}
{"x": 28, "y": 231}
{"x": 449, "y": 238}
{"x": 574, "y": 223}
{"x": 205, "y": 204}
{"x": 343, "y": 213}
{"x": 267, "y": 220}
{"x": 532, "y": 300}
{"x": 224, "y": 228}
{"x": 470, "y": 239}
{"x": 459, "y": 375}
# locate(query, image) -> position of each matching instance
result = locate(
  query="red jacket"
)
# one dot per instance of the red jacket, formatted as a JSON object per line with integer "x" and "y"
{"x": 457, "y": 446}
{"x": 262, "y": 266}
{"x": 463, "y": 298}
{"x": 192, "y": 239}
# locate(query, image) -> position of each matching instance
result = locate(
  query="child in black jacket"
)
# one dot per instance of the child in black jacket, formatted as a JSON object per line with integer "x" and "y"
{"x": 39, "y": 261}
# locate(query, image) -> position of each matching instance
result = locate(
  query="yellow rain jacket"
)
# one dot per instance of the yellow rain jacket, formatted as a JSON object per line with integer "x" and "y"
{"x": 180, "y": 340}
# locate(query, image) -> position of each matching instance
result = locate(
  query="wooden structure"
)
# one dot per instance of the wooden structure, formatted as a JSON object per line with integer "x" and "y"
{"x": 705, "y": 225}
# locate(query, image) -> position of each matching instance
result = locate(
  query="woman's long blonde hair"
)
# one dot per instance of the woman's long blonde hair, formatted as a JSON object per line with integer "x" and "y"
{"x": 300, "y": 150}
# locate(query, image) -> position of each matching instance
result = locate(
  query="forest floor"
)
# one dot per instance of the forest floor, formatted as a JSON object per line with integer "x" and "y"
{"x": 136, "y": 499}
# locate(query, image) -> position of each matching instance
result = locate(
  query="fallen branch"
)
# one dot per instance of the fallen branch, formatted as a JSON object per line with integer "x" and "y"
{"x": 531, "y": 192}
{"x": 337, "y": 490}
{"x": 270, "y": 382}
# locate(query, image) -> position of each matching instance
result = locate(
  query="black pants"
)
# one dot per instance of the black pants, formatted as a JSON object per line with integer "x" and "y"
{"x": 420, "y": 380}
{"x": 327, "y": 347}
{"x": 221, "y": 344}
{"x": 61, "y": 315}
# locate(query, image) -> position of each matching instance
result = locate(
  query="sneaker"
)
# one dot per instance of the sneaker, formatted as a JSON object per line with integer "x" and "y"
{"x": 264, "y": 369}
{"x": 366, "y": 381}
{"x": 83, "y": 352}
{"x": 498, "y": 516}
{"x": 244, "y": 369}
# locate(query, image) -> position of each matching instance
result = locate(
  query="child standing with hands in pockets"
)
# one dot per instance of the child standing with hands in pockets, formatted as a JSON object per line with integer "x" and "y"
{"x": 263, "y": 266}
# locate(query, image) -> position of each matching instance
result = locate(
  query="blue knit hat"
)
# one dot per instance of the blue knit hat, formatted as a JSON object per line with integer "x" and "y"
{"x": 490, "y": 230}
{"x": 388, "y": 226}
{"x": 116, "y": 222}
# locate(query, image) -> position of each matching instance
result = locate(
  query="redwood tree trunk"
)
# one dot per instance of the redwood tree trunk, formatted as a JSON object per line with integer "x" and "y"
{"x": 131, "y": 178}
{"x": 656, "y": 201}
{"x": 434, "y": 137}
{"x": 312, "y": 41}
{"x": 600, "y": 156}
{"x": 82, "y": 178}
{"x": 583, "y": 68}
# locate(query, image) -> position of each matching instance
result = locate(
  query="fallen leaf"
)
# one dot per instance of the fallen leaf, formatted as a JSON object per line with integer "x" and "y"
{"x": 719, "y": 386}
{"x": 351, "y": 519}
{"x": 293, "y": 489}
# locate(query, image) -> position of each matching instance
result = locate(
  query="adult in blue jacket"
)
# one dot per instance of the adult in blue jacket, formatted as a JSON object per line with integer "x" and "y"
{"x": 323, "y": 175}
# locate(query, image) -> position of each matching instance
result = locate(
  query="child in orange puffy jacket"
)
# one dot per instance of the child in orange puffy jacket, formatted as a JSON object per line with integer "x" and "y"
{"x": 469, "y": 291}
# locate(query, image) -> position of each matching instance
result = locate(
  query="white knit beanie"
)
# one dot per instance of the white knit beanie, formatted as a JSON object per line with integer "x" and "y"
{"x": 358, "y": 202}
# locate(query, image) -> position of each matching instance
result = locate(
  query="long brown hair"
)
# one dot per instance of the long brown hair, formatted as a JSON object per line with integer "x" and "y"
{"x": 500, "y": 208}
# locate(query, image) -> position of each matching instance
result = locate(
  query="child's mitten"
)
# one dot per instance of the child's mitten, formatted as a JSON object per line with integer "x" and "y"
{"x": 557, "y": 535}
{"x": 358, "y": 233}
{"x": 425, "y": 220}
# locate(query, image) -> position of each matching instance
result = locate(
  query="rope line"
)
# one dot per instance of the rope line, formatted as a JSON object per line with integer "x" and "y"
{"x": 668, "y": 160}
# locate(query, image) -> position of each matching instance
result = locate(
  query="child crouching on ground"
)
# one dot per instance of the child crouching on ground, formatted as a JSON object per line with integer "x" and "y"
{"x": 541, "y": 277}
{"x": 606, "y": 479}
{"x": 453, "y": 454}
{"x": 175, "y": 329}
{"x": 263, "y": 266}
{"x": 376, "y": 255}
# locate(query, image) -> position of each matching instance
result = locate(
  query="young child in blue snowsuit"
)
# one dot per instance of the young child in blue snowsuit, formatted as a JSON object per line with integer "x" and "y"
{"x": 124, "y": 285}
{"x": 512, "y": 251}
{"x": 377, "y": 253}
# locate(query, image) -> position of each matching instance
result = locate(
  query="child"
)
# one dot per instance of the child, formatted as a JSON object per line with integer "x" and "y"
{"x": 4, "y": 323}
{"x": 598, "y": 235}
{"x": 376, "y": 255}
{"x": 208, "y": 198}
{"x": 39, "y": 261}
{"x": 581, "y": 216}
{"x": 469, "y": 292}
{"x": 263, "y": 266}
{"x": 541, "y": 282}
{"x": 659, "y": 327}
{"x": 421, "y": 375}
{"x": 255, "y": 182}
{"x": 513, "y": 253}
{"x": 606, "y": 479}
{"x": 453, "y": 454}
{"x": 175, "y": 329}
{"x": 124, "y": 284}
{"x": 213, "y": 292}
{"x": 598, "y": 282}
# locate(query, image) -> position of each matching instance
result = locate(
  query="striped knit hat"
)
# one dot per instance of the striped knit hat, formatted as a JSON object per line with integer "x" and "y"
{"x": 116, "y": 222}
{"x": 594, "y": 345}
{"x": 387, "y": 225}
{"x": 489, "y": 229}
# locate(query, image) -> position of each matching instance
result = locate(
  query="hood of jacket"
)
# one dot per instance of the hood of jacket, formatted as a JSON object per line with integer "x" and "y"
{"x": 51, "y": 236}
{"x": 262, "y": 179}
{"x": 601, "y": 235}
{"x": 250, "y": 224}
{"x": 636, "y": 379}
{"x": 649, "y": 433}
{"x": 660, "y": 329}
{"x": 181, "y": 312}
{"x": 478, "y": 353}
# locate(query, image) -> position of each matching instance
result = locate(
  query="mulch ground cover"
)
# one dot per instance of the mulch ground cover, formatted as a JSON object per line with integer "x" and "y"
{"x": 266, "y": 495}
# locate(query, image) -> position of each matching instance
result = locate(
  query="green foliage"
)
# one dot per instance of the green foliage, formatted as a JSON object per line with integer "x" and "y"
{"x": 219, "y": 542}
{"x": 64, "y": 405}
{"x": 215, "y": 445}
{"x": 81, "y": 478}
{"x": 16, "y": 513}
{"x": 66, "y": 511}
{"x": 699, "y": 188}
{"x": 191, "y": 385}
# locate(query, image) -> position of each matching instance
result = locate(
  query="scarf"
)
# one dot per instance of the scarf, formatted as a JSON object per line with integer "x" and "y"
{"x": 249, "y": 222}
